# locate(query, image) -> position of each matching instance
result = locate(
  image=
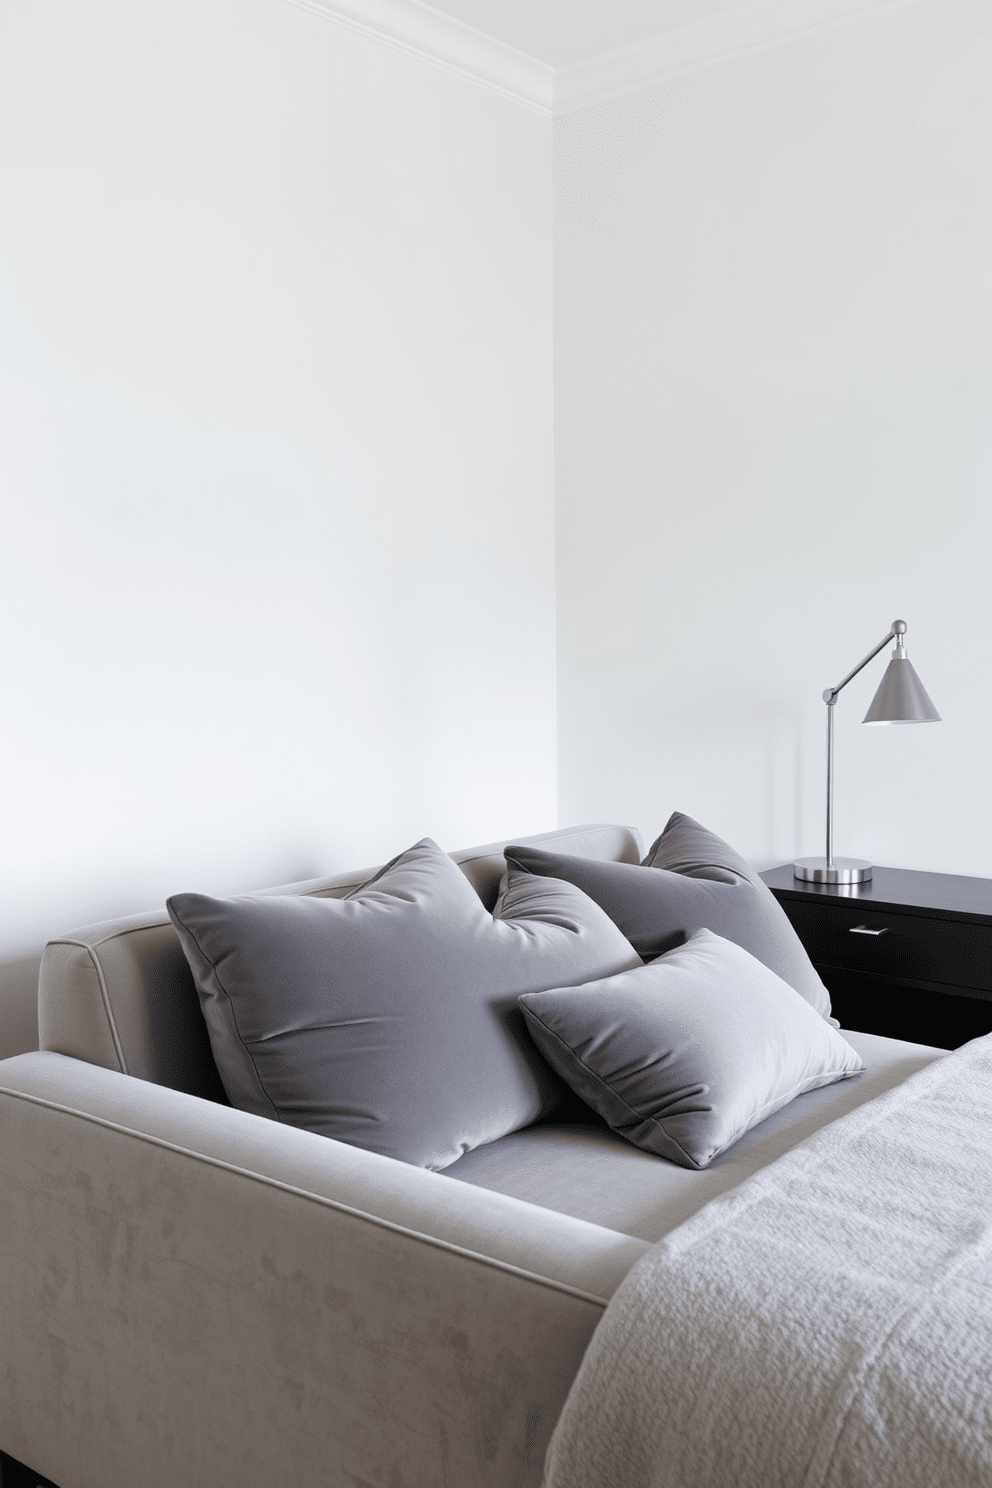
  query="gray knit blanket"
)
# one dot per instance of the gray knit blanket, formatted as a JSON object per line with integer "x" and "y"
{"x": 827, "y": 1323}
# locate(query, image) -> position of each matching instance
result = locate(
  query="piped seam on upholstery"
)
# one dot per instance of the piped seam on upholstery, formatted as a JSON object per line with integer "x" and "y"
{"x": 105, "y": 996}
{"x": 336, "y": 1204}
{"x": 561, "y": 834}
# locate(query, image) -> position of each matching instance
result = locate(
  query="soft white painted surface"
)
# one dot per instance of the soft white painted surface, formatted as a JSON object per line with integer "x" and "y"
{"x": 446, "y": 42}
{"x": 275, "y": 390}
{"x": 773, "y": 334}
{"x": 559, "y": 55}
{"x": 276, "y": 456}
{"x": 561, "y": 32}
{"x": 568, "y": 33}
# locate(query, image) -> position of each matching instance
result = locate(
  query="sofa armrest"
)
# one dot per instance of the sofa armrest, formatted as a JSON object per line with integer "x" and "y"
{"x": 190, "y": 1293}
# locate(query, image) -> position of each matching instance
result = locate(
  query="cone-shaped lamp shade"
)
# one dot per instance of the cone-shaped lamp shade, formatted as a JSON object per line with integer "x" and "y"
{"x": 901, "y": 696}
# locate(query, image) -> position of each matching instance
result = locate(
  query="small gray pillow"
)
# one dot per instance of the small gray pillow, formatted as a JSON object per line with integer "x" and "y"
{"x": 389, "y": 1019}
{"x": 690, "y": 880}
{"x": 684, "y": 1056}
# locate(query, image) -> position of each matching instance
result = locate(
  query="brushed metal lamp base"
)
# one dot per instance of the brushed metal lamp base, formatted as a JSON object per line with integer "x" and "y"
{"x": 840, "y": 871}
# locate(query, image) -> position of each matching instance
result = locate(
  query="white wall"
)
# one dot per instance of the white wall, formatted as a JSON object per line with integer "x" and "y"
{"x": 773, "y": 386}
{"x": 276, "y": 453}
{"x": 276, "y": 461}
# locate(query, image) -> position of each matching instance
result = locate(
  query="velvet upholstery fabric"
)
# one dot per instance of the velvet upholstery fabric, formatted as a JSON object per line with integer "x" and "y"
{"x": 388, "y": 1018}
{"x": 590, "y": 1172}
{"x": 690, "y": 880}
{"x": 120, "y": 994}
{"x": 194, "y": 1295}
{"x": 684, "y": 1056}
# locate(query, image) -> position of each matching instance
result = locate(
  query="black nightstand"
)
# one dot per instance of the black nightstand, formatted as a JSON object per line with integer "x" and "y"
{"x": 14, "y": 1474}
{"x": 908, "y": 954}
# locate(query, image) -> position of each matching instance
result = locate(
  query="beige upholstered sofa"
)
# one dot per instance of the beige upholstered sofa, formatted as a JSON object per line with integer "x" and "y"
{"x": 192, "y": 1294}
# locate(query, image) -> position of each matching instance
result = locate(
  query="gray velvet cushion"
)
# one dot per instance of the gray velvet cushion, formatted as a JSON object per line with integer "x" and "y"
{"x": 684, "y": 1056}
{"x": 690, "y": 880}
{"x": 389, "y": 1019}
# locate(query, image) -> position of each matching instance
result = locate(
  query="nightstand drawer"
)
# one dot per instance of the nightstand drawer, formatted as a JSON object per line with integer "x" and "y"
{"x": 853, "y": 937}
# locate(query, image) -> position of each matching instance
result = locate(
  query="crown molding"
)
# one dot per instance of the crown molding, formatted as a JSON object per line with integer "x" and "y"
{"x": 423, "y": 32}
{"x": 718, "y": 38}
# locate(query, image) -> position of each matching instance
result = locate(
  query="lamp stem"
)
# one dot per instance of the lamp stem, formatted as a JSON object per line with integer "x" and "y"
{"x": 830, "y": 783}
{"x": 830, "y": 695}
{"x": 901, "y": 698}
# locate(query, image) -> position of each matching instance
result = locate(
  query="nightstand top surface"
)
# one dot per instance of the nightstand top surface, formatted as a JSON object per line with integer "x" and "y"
{"x": 943, "y": 895}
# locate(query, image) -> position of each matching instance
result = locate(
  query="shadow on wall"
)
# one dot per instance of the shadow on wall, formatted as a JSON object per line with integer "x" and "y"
{"x": 19, "y": 1005}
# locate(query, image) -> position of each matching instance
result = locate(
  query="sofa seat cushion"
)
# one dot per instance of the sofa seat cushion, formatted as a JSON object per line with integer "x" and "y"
{"x": 589, "y": 1172}
{"x": 690, "y": 880}
{"x": 388, "y": 1019}
{"x": 685, "y": 1055}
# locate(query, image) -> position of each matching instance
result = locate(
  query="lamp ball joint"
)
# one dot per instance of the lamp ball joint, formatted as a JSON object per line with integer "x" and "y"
{"x": 899, "y": 627}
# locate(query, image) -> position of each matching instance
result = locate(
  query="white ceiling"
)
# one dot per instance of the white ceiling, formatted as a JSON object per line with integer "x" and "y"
{"x": 558, "y": 55}
{"x": 562, "y": 32}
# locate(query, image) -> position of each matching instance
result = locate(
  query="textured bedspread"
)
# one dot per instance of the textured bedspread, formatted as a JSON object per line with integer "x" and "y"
{"x": 828, "y": 1323}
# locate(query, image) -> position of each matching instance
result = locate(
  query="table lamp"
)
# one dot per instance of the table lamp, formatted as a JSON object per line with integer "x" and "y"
{"x": 901, "y": 698}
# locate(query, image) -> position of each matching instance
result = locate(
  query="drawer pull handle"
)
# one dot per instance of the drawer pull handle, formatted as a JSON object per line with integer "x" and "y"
{"x": 866, "y": 930}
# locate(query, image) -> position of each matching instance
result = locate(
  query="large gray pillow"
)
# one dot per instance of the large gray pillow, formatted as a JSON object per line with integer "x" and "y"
{"x": 683, "y": 1056}
{"x": 389, "y": 1019}
{"x": 690, "y": 880}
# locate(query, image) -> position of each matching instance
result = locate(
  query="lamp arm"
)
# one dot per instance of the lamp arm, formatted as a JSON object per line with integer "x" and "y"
{"x": 901, "y": 698}
{"x": 896, "y": 632}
